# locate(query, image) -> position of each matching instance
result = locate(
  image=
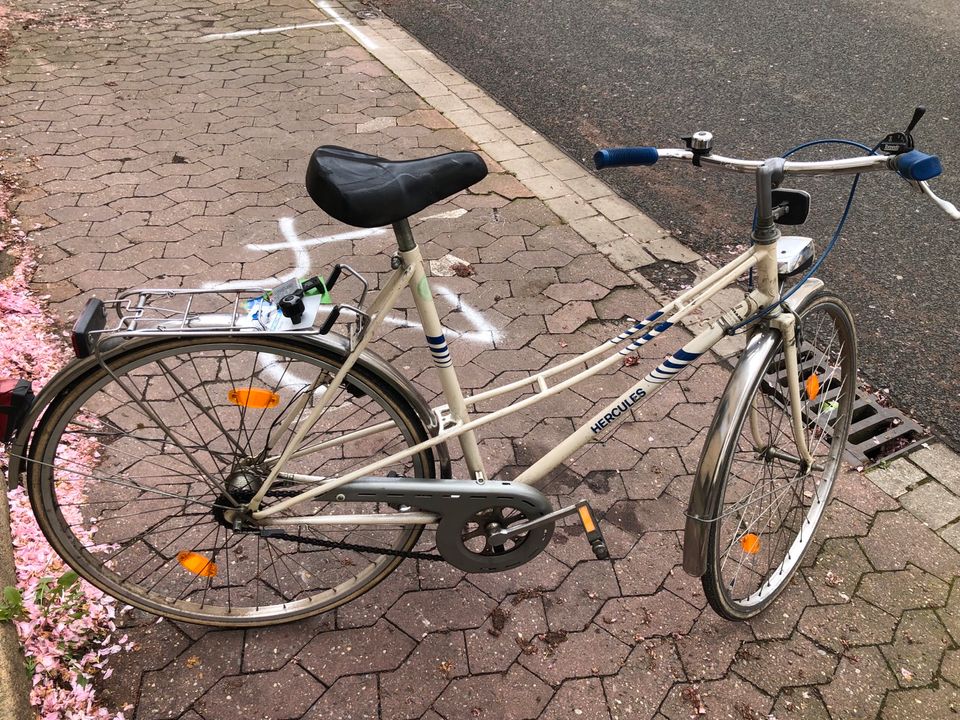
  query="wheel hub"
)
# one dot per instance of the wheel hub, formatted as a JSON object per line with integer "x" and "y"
{"x": 242, "y": 485}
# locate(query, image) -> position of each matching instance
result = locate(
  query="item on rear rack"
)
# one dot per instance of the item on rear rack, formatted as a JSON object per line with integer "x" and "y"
{"x": 294, "y": 306}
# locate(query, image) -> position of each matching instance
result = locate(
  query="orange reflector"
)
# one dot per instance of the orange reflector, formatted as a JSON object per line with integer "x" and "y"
{"x": 253, "y": 397}
{"x": 587, "y": 519}
{"x": 750, "y": 544}
{"x": 813, "y": 387}
{"x": 197, "y": 563}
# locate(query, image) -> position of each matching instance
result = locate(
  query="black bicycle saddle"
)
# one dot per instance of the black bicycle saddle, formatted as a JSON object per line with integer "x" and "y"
{"x": 369, "y": 191}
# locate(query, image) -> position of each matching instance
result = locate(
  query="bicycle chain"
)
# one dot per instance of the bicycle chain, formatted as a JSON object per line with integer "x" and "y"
{"x": 410, "y": 554}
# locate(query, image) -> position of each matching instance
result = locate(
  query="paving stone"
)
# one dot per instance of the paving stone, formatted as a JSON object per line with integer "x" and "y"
{"x": 410, "y": 690}
{"x": 780, "y": 619}
{"x": 933, "y": 504}
{"x": 895, "y": 478}
{"x": 170, "y": 692}
{"x": 641, "y": 685}
{"x": 858, "y": 688}
{"x": 420, "y": 613}
{"x": 850, "y": 624}
{"x": 884, "y": 546}
{"x": 634, "y": 619}
{"x": 651, "y": 560}
{"x": 580, "y": 699}
{"x": 517, "y": 695}
{"x": 940, "y": 703}
{"x": 859, "y": 492}
{"x": 950, "y": 614}
{"x": 573, "y": 605}
{"x": 918, "y": 648}
{"x": 513, "y": 625}
{"x": 154, "y": 646}
{"x": 950, "y": 669}
{"x": 800, "y": 704}
{"x": 334, "y": 654}
{"x": 951, "y": 535}
{"x": 656, "y": 469}
{"x": 727, "y": 698}
{"x": 287, "y": 692}
{"x": 837, "y": 571}
{"x": 350, "y": 698}
{"x": 271, "y": 648}
{"x": 369, "y": 607}
{"x": 543, "y": 572}
{"x": 941, "y": 463}
{"x": 777, "y": 664}
{"x": 559, "y": 656}
{"x": 903, "y": 590}
{"x": 842, "y": 520}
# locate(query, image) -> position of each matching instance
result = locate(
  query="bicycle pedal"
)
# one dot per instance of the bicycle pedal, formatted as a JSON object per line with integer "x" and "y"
{"x": 592, "y": 529}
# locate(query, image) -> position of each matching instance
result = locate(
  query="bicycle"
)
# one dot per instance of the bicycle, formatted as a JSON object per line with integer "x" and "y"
{"x": 243, "y": 464}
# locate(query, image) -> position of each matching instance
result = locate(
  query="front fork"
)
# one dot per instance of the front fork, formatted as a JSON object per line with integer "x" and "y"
{"x": 786, "y": 324}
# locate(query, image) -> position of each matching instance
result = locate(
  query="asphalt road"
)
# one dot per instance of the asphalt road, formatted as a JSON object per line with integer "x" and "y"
{"x": 762, "y": 77}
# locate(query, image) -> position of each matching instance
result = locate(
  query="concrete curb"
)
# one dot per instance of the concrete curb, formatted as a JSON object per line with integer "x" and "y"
{"x": 617, "y": 228}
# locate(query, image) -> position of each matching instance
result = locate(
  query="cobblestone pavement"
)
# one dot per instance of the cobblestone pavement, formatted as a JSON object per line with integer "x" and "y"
{"x": 150, "y": 155}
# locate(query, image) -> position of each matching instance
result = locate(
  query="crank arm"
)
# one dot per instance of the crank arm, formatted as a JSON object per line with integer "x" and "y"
{"x": 594, "y": 536}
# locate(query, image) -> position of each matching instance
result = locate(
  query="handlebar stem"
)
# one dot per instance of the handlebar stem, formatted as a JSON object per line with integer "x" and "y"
{"x": 769, "y": 176}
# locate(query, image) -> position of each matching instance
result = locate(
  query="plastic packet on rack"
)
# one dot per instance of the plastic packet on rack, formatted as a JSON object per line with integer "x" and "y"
{"x": 262, "y": 314}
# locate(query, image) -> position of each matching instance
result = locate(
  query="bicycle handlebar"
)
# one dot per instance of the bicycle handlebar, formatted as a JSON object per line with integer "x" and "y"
{"x": 915, "y": 166}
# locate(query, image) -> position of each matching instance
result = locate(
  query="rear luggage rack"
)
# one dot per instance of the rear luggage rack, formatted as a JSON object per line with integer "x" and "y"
{"x": 294, "y": 307}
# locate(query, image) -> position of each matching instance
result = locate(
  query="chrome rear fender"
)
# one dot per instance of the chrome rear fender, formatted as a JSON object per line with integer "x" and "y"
{"x": 77, "y": 369}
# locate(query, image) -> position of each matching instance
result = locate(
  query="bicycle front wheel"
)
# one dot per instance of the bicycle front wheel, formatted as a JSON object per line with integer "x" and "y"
{"x": 770, "y": 504}
{"x": 133, "y": 469}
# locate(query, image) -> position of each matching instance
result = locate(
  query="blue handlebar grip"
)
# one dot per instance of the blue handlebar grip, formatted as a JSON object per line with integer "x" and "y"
{"x": 916, "y": 165}
{"x": 620, "y": 157}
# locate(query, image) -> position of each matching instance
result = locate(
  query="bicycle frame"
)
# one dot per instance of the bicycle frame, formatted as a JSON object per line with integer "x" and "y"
{"x": 454, "y": 417}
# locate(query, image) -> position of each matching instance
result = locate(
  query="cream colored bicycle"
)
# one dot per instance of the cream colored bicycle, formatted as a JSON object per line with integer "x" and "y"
{"x": 244, "y": 464}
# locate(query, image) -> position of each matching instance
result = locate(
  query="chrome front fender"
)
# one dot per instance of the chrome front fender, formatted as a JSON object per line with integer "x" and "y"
{"x": 707, "y": 483}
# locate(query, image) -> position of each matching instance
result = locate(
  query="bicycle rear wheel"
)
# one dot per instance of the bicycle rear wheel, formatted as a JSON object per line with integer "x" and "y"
{"x": 131, "y": 470}
{"x": 769, "y": 506}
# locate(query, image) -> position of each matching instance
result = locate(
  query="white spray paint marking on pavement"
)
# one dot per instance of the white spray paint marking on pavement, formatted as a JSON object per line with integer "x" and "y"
{"x": 349, "y": 235}
{"x": 357, "y": 34}
{"x": 300, "y": 254}
{"x": 265, "y": 31}
{"x": 484, "y": 330}
{"x": 448, "y": 215}
{"x": 483, "y": 333}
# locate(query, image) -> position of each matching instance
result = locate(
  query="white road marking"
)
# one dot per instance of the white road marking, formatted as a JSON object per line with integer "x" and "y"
{"x": 358, "y": 35}
{"x": 265, "y": 31}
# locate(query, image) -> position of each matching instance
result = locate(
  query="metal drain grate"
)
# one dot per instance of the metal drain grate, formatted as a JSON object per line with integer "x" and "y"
{"x": 877, "y": 433}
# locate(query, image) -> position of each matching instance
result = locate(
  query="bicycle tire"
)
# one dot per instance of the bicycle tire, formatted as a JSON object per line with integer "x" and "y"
{"x": 151, "y": 493}
{"x": 737, "y": 582}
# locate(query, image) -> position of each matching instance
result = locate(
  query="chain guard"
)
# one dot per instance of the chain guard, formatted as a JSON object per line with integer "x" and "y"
{"x": 457, "y": 502}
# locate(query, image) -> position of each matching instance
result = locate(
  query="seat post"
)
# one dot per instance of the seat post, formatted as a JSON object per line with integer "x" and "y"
{"x": 404, "y": 234}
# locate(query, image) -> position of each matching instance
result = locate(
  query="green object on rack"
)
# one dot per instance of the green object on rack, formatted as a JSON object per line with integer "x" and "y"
{"x": 316, "y": 286}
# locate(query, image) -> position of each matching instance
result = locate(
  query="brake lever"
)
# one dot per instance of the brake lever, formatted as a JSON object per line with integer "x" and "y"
{"x": 948, "y": 207}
